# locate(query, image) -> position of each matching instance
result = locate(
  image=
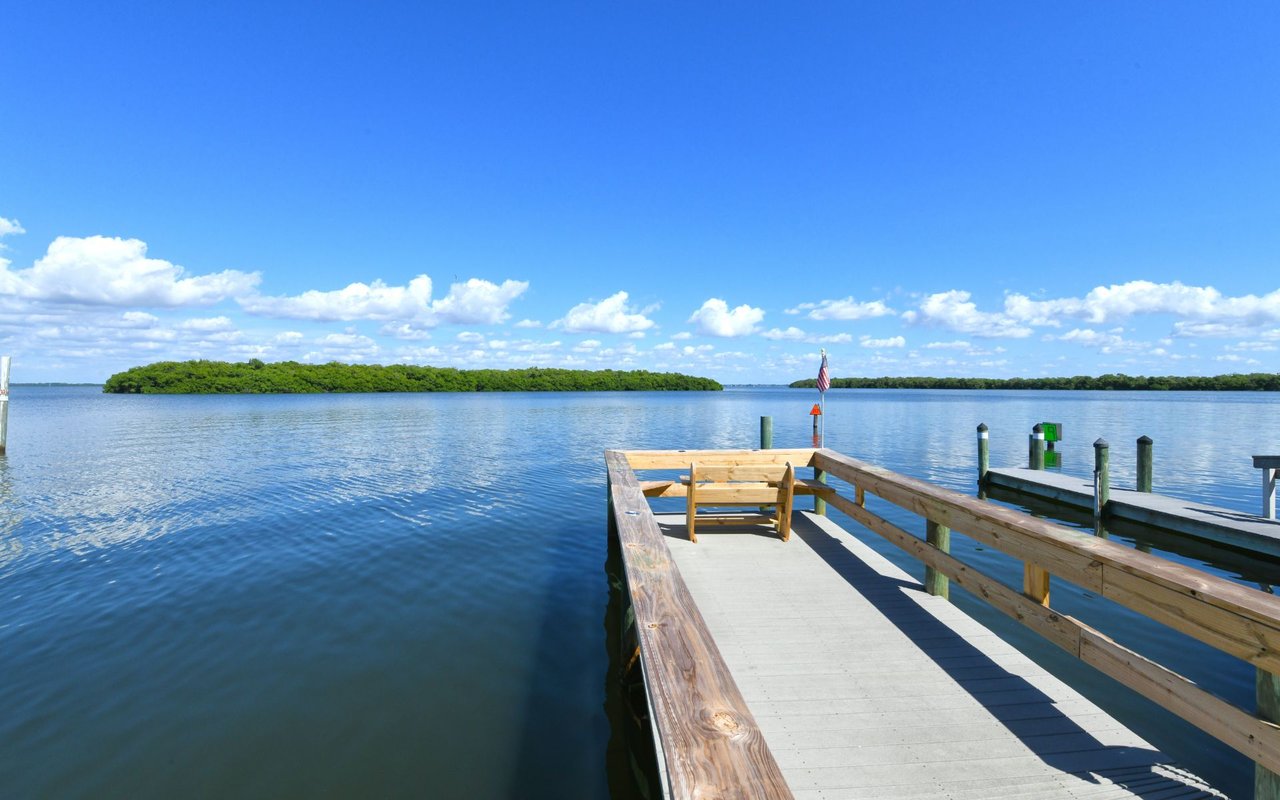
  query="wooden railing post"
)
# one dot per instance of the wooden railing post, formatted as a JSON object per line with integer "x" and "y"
{"x": 1035, "y": 455}
{"x": 1144, "y": 463}
{"x": 1266, "y": 784}
{"x": 1035, "y": 583}
{"x": 936, "y": 583}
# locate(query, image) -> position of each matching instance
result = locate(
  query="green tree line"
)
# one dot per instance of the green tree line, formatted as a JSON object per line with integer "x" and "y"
{"x": 290, "y": 377}
{"x": 1251, "y": 382}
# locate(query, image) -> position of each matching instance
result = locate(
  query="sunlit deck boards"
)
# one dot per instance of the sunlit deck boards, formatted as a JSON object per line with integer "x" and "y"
{"x": 864, "y": 686}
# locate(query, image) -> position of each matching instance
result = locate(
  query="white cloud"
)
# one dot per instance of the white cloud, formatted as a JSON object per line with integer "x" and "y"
{"x": 794, "y": 334}
{"x": 716, "y": 319}
{"x": 846, "y": 309}
{"x": 586, "y": 345}
{"x": 475, "y": 301}
{"x": 1256, "y": 347}
{"x": 1203, "y": 310}
{"x": 954, "y": 309}
{"x": 208, "y": 325}
{"x": 101, "y": 270}
{"x": 343, "y": 347}
{"x": 470, "y": 336}
{"x": 953, "y": 345}
{"x": 682, "y": 335}
{"x": 791, "y": 334}
{"x": 665, "y": 346}
{"x": 528, "y": 323}
{"x": 409, "y": 331}
{"x": 139, "y": 319}
{"x": 1105, "y": 304}
{"x": 610, "y": 315}
{"x": 478, "y": 302}
{"x": 10, "y": 227}
{"x": 892, "y": 341}
{"x": 357, "y": 301}
{"x": 530, "y": 346}
{"x": 1109, "y": 342}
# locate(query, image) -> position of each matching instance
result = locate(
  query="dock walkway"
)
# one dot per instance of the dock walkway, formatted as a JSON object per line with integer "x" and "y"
{"x": 815, "y": 668}
{"x": 1211, "y": 523}
{"x": 865, "y": 686}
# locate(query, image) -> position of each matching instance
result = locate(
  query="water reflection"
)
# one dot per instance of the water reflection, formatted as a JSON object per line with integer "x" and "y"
{"x": 358, "y": 590}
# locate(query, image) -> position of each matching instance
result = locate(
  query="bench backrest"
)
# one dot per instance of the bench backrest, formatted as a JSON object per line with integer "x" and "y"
{"x": 771, "y": 473}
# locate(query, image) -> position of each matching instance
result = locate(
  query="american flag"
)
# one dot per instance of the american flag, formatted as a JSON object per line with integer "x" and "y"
{"x": 824, "y": 380}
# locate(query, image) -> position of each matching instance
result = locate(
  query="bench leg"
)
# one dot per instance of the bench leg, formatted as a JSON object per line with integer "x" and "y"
{"x": 691, "y": 513}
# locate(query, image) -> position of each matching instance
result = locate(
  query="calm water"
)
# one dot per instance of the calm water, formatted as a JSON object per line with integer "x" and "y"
{"x": 404, "y": 595}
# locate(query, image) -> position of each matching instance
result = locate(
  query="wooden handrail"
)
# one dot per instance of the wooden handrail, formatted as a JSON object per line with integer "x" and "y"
{"x": 1233, "y": 618}
{"x": 708, "y": 739}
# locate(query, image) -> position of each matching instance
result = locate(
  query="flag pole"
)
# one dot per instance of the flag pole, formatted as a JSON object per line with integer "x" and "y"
{"x": 822, "y": 404}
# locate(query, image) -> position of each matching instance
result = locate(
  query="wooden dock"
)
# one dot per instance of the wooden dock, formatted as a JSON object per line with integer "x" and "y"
{"x": 1210, "y": 523}
{"x": 814, "y": 668}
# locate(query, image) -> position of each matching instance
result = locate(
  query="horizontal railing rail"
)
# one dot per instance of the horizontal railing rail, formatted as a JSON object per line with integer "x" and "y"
{"x": 707, "y": 738}
{"x": 1235, "y": 619}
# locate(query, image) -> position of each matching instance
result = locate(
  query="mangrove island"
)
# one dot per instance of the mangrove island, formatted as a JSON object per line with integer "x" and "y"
{"x": 290, "y": 377}
{"x": 1252, "y": 382}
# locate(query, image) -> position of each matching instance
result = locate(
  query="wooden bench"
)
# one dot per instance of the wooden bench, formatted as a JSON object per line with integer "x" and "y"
{"x": 720, "y": 485}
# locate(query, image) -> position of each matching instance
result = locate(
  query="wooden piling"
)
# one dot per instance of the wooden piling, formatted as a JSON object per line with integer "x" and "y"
{"x": 5, "y": 362}
{"x": 766, "y": 433}
{"x": 1035, "y": 455}
{"x": 1101, "y": 482}
{"x": 1269, "y": 466}
{"x": 935, "y": 582}
{"x": 984, "y": 453}
{"x": 1144, "y": 464}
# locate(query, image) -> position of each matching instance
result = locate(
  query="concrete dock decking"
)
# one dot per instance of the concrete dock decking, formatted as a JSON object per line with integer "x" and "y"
{"x": 1225, "y": 526}
{"x": 865, "y": 686}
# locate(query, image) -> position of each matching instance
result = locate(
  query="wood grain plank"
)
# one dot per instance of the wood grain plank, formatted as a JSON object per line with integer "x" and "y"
{"x": 710, "y": 742}
{"x": 1255, "y": 738}
{"x": 679, "y": 459}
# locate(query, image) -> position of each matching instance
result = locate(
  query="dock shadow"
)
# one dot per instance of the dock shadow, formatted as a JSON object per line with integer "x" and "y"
{"x": 1024, "y": 710}
{"x": 674, "y": 530}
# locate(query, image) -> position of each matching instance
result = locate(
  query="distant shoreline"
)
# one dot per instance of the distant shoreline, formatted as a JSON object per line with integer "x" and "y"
{"x": 1251, "y": 382}
{"x": 290, "y": 377}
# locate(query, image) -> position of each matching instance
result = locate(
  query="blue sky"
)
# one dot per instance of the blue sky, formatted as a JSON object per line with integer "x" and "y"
{"x": 991, "y": 189}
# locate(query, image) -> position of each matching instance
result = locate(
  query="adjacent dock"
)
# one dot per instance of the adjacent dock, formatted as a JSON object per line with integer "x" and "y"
{"x": 1223, "y": 526}
{"x": 813, "y": 668}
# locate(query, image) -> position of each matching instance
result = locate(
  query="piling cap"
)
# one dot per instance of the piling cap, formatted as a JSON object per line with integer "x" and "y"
{"x": 1101, "y": 443}
{"x": 1037, "y": 428}
{"x": 817, "y": 411}
{"x": 982, "y": 427}
{"x": 1144, "y": 439}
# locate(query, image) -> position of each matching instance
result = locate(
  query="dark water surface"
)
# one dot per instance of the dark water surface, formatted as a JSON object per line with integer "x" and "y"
{"x": 404, "y": 595}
